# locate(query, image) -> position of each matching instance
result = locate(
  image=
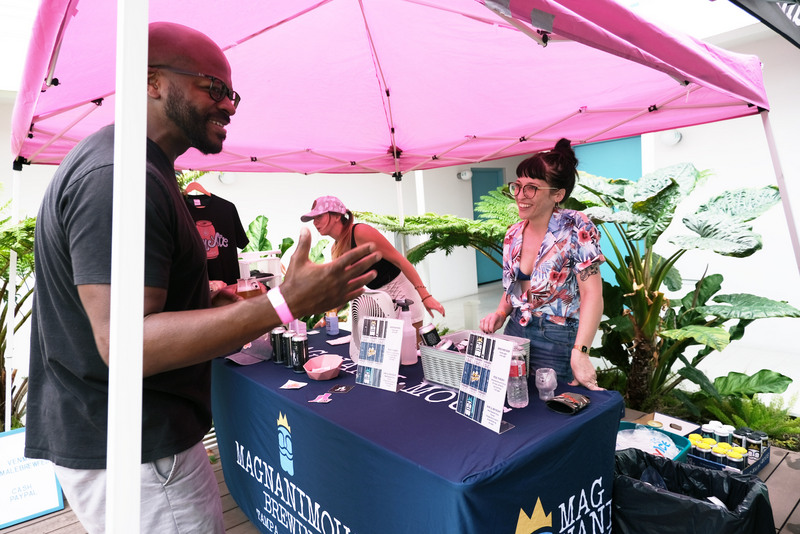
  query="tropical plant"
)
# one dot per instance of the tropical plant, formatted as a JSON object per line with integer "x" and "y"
{"x": 257, "y": 235}
{"x": 17, "y": 237}
{"x": 646, "y": 334}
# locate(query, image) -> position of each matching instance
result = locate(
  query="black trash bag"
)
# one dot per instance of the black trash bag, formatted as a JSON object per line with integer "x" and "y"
{"x": 683, "y": 507}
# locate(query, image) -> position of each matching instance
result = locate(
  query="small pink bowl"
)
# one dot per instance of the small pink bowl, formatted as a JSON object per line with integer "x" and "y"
{"x": 323, "y": 367}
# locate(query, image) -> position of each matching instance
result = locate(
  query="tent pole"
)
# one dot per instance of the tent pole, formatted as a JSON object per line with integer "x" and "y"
{"x": 11, "y": 316}
{"x": 123, "y": 491}
{"x": 787, "y": 205}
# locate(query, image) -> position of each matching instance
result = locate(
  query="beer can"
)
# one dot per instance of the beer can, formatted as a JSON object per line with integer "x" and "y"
{"x": 707, "y": 431}
{"x": 703, "y": 450}
{"x": 735, "y": 460}
{"x": 694, "y": 437}
{"x": 276, "y": 340}
{"x": 718, "y": 455}
{"x": 737, "y": 437}
{"x": 764, "y": 440}
{"x": 299, "y": 353}
{"x": 753, "y": 445}
{"x": 722, "y": 435}
{"x": 287, "y": 348}
{"x": 429, "y": 335}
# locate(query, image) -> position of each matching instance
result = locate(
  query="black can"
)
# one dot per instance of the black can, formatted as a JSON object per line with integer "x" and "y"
{"x": 276, "y": 340}
{"x": 299, "y": 353}
{"x": 738, "y": 437}
{"x": 764, "y": 440}
{"x": 429, "y": 335}
{"x": 287, "y": 348}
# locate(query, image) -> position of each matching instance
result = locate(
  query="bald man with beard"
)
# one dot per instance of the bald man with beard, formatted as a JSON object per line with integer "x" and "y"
{"x": 190, "y": 104}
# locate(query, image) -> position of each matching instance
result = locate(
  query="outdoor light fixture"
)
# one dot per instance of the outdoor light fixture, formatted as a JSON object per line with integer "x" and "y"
{"x": 671, "y": 137}
{"x": 464, "y": 175}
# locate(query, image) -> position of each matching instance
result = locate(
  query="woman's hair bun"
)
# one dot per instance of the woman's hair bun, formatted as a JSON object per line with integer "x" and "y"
{"x": 564, "y": 148}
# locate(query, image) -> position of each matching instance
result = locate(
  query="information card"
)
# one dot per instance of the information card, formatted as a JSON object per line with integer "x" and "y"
{"x": 28, "y": 488}
{"x": 379, "y": 353}
{"x": 482, "y": 392}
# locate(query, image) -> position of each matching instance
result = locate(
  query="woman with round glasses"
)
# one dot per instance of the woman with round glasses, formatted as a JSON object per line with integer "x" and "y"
{"x": 553, "y": 292}
{"x": 396, "y": 275}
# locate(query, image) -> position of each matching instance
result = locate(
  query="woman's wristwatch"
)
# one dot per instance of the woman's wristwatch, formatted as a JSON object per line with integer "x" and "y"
{"x": 583, "y": 348}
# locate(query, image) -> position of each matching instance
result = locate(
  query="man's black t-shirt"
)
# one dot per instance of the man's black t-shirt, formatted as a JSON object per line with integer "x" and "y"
{"x": 68, "y": 383}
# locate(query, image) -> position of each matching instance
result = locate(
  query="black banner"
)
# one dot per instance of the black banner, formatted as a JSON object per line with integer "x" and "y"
{"x": 782, "y": 17}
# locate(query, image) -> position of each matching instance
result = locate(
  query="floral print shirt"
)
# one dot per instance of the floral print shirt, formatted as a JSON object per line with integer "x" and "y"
{"x": 571, "y": 244}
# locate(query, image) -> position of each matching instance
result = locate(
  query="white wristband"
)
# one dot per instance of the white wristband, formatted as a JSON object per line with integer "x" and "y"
{"x": 279, "y": 303}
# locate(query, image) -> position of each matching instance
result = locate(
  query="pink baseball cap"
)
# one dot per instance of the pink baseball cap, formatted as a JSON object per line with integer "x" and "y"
{"x": 324, "y": 205}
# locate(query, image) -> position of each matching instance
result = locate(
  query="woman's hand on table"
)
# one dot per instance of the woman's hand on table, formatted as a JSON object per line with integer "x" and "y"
{"x": 583, "y": 371}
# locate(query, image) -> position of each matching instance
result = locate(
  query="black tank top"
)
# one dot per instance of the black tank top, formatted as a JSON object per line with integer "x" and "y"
{"x": 387, "y": 271}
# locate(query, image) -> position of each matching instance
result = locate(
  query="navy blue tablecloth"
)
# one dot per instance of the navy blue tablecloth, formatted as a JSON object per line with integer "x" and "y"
{"x": 374, "y": 461}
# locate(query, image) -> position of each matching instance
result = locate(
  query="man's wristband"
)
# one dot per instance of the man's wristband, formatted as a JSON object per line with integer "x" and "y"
{"x": 279, "y": 303}
{"x": 502, "y": 312}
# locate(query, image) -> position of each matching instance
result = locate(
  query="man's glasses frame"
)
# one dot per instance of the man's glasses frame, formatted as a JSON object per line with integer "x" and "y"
{"x": 217, "y": 90}
{"x": 528, "y": 190}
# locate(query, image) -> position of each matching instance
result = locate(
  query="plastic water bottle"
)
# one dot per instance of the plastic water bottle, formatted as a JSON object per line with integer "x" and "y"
{"x": 517, "y": 390}
{"x": 408, "y": 349}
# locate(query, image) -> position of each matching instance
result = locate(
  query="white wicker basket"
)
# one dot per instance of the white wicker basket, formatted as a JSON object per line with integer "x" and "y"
{"x": 445, "y": 367}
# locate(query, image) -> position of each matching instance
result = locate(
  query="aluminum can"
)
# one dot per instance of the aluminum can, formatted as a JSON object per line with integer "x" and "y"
{"x": 764, "y": 440}
{"x": 299, "y": 352}
{"x": 753, "y": 446}
{"x": 276, "y": 340}
{"x": 707, "y": 431}
{"x": 722, "y": 435}
{"x": 287, "y": 348}
{"x": 429, "y": 335}
{"x": 718, "y": 455}
{"x": 735, "y": 460}
{"x": 737, "y": 437}
{"x": 703, "y": 450}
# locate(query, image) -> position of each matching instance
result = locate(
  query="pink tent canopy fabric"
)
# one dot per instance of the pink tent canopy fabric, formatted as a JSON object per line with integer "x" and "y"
{"x": 356, "y": 86}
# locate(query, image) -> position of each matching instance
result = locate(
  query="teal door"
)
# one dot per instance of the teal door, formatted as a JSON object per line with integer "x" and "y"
{"x": 483, "y": 181}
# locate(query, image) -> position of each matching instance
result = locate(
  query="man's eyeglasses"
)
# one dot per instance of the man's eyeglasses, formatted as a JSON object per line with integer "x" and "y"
{"x": 217, "y": 90}
{"x": 528, "y": 190}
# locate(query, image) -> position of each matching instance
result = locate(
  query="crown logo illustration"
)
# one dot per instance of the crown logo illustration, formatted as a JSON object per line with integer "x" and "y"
{"x": 283, "y": 422}
{"x": 537, "y": 520}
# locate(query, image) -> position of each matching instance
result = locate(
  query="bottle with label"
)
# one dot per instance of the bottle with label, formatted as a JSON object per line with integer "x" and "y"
{"x": 517, "y": 389}
{"x": 332, "y": 323}
{"x": 408, "y": 349}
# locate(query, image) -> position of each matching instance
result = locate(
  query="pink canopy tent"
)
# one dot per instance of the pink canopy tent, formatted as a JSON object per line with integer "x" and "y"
{"x": 349, "y": 86}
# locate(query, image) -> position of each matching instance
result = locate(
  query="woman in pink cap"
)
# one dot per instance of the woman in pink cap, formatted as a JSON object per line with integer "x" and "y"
{"x": 396, "y": 275}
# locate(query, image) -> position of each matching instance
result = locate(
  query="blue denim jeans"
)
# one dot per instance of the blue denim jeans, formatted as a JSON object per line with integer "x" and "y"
{"x": 551, "y": 344}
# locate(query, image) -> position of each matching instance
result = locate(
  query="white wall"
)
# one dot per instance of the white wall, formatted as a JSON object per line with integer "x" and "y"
{"x": 737, "y": 152}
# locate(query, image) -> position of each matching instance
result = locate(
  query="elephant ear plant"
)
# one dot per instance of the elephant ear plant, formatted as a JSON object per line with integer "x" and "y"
{"x": 19, "y": 238}
{"x": 646, "y": 334}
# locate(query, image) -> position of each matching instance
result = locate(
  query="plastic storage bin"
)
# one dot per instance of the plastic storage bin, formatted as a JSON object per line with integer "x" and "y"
{"x": 681, "y": 442}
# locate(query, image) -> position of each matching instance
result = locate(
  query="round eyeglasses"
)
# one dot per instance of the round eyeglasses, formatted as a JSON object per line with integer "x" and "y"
{"x": 528, "y": 190}
{"x": 217, "y": 90}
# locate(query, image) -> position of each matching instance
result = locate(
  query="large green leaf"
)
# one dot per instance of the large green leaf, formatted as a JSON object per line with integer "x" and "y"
{"x": 764, "y": 381}
{"x": 743, "y": 204}
{"x": 257, "y": 235}
{"x": 655, "y": 214}
{"x": 714, "y": 337}
{"x": 704, "y": 289}
{"x": 719, "y": 233}
{"x": 673, "y": 278}
{"x": 746, "y": 306}
{"x": 596, "y": 191}
{"x": 698, "y": 377}
{"x": 317, "y": 252}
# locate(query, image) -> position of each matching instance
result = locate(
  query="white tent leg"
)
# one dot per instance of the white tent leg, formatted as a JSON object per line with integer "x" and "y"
{"x": 123, "y": 492}
{"x": 787, "y": 205}
{"x": 11, "y": 317}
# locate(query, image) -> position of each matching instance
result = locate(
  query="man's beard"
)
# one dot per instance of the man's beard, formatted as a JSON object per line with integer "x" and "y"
{"x": 192, "y": 124}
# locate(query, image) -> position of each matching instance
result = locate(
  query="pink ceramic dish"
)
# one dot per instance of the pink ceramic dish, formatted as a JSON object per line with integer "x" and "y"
{"x": 323, "y": 367}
